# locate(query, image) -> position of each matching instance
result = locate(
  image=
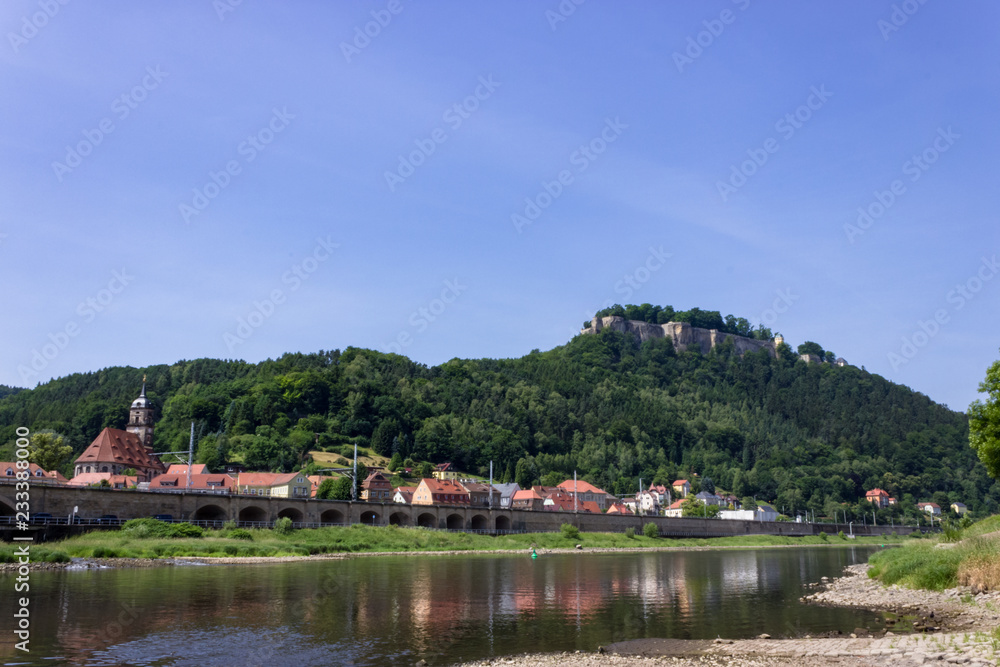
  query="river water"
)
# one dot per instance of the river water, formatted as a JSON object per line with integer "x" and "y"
{"x": 399, "y": 609}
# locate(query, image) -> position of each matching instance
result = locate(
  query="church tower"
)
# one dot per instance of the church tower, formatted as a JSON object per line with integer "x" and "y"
{"x": 140, "y": 420}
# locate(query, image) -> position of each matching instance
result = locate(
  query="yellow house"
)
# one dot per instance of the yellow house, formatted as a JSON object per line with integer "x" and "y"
{"x": 443, "y": 471}
{"x": 274, "y": 484}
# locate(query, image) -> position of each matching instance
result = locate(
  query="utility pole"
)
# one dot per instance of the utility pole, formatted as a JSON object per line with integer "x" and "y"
{"x": 489, "y": 491}
{"x": 575, "y": 510}
{"x": 354, "y": 477}
{"x": 190, "y": 454}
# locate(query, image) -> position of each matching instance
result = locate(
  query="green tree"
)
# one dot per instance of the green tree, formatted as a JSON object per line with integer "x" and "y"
{"x": 810, "y": 347}
{"x": 426, "y": 470}
{"x": 383, "y": 436}
{"x": 48, "y": 450}
{"x": 707, "y": 485}
{"x": 984, "y": 422}
{"x": 338, "y": 489}
{"x": 553, "y": 478}
{"x": 325, "y": 490}
{"x": 748, "y": 503}
{"x": 396, "y": 462}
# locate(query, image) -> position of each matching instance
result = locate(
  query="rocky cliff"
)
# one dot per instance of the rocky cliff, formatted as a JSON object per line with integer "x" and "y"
{"x": 681, "y": 333}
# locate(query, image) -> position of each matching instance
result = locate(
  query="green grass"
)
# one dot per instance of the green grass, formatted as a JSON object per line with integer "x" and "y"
{"x": 148, "y": 543}
{"x": 922, "y": 564}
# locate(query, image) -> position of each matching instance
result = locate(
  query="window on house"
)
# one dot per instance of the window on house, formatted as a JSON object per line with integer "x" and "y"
{"x": 10, "y": 472}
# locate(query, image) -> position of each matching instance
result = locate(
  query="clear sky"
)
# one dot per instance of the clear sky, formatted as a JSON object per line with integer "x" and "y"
{"x": 242, "y": 179}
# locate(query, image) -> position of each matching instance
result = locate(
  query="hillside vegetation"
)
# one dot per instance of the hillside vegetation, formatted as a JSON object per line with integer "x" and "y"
{"x": 809, "y": 436}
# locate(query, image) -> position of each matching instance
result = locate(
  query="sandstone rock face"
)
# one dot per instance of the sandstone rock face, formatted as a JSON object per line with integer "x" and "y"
{"x": 682, "y": 334}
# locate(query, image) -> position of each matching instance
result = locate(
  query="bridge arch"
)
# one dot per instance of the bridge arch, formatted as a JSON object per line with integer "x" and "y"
{"x": 331, "y": 516}
{"x": 503, "y": 523}
{"x": 291, "y": 513}
{"x": 253, "y": 513}
{"x": 371, "y": 518}
{"x": 456, "y": 522}
{"x": 209, "y": 513}
{"x": 427, "y": 520}
{"x": 479, "y": 522}
{"x": 399, "y": 519}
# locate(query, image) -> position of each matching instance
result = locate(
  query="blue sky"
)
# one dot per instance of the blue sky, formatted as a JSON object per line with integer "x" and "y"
{"x": 207, "y": 179}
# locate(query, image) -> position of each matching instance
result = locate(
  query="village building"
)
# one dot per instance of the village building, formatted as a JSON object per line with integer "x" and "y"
{"x": 9, "y": 470}
{"x": 681, "y": 487}
{"x": 199, "y": 482}
{"x": 707, "y": 498}
{"x": 440, "y": 492}
{"x": 104, "y": 479}
{"x": 587, "y": 492}
{"x": 676, "y": 509}
{"x": 481, "y": 494}
{"x": 662, "y": 493}
{"x": 115, "y": 451}
{"x": 273, "y": 484}
{"x": 931, "y": 508}
{"x": 445, "y": 471}
{"x": 877, "y": 497}
{"x": 376, "y": 489}
{"x": 647, "y": 503}
{"x": 619, "y": 508}
{"x": 959, "y": 508}
{"x": 403, "y": 495}
{"x": 527, "y": 499}
{"x": 506, "y": 492}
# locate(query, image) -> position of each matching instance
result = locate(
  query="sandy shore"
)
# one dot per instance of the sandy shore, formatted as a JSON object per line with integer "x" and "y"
{"x": 948, "y": 627}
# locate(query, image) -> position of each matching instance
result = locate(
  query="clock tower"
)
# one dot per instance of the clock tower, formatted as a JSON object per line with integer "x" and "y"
{"x": 140, "y": 420}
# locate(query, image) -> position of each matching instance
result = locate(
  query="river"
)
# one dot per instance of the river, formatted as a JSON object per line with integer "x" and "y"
{"x": 399, "y": 609}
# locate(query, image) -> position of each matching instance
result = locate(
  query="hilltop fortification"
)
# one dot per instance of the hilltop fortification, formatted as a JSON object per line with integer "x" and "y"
{"x": 681, "y": 333}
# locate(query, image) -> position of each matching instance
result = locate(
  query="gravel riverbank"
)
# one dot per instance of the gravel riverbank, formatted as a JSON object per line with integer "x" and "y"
{"x": 948, "y": 627}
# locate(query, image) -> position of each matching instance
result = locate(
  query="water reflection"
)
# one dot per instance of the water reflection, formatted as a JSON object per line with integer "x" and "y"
{"x": 367, "y": 610}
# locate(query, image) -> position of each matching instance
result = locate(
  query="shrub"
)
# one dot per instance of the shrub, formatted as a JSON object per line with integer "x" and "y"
{"x": 104, "y": 552}
{"x": 229, "y": 525}
{"x": 630, "y": 533}
{"x": 184, "y": 530}
{"x": 283, "y": 526}
{"x": 57, "y": 557}
{"x": 651, "y": 530}
{"x": 823, "y": 536}
{"x": 240, "y": 534}
{"x": 570, "y": 531}
{"x": 145, "y": 528}
{"x": 841, "y": 535}
{"x": 952, "y": 533}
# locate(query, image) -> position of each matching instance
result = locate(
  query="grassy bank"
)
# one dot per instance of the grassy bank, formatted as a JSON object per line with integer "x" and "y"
{"x": 969, "y": 557}
{"x": 149, "y": 540}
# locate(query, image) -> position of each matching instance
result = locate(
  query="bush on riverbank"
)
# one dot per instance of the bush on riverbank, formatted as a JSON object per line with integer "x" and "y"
{"x": 936, "y": 564}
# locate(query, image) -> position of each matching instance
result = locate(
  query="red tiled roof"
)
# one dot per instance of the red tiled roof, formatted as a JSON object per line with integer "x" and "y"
{"x": 581, "y": 487}
{"x": 875, "y": 493}
{"x": 265, "y": 478}
{"x": 443, "y": 486}
{"x": 203, "y": 481}
{"x": 679, "y": 482}
{"x": 405, "y": 491}
{"x": 527, "y": 494}
{"x": 91, "y": 478}
{"x": 9, "y": 469}
{"x": 182, "y": 468}
{"x": 676, "y": 505}
{"x": 120, "y": 447}
{"x": 619, "y": 508}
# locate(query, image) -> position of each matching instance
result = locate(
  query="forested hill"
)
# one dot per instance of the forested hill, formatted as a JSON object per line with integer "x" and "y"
{"x": 807, "y": 435}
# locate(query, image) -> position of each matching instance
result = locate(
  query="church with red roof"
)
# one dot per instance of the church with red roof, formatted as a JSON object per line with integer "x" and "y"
{"x": 114, "y": 450}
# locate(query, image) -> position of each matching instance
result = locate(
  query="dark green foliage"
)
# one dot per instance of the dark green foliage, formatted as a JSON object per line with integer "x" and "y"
{"x": 650, "y": 530}
{"x": 696, "y": 317}
{"x": 282, "y": 526}
{"x": 810, "y": 347}
{"x": 811, "y": 437}
{"x": 151, "y": 528}
{"x": 570, "y": 531}
{"x": 240, "y": 534}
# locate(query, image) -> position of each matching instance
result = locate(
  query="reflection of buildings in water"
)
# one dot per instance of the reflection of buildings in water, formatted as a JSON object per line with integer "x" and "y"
{"x": 740, "y": 572}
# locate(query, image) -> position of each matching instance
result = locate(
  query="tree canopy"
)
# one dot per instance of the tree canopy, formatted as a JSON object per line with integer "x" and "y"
{"x": 984, "y": 422}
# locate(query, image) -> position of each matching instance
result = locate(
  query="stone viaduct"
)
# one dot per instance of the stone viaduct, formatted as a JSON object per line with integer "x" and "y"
{"x": 93, "y": 503}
